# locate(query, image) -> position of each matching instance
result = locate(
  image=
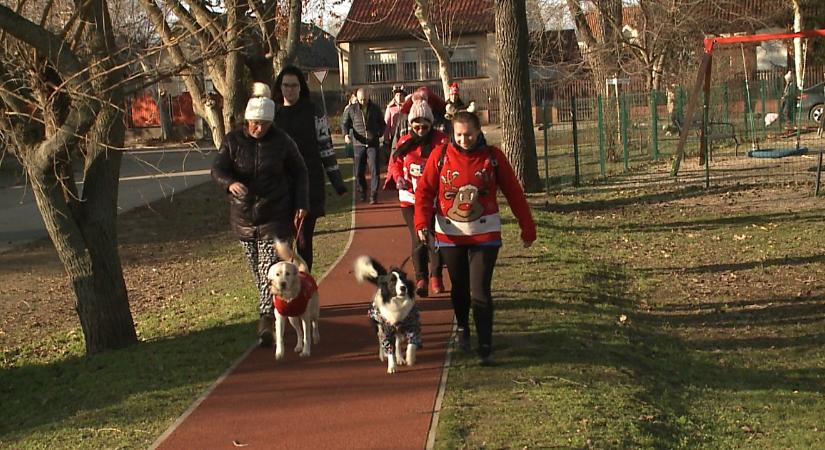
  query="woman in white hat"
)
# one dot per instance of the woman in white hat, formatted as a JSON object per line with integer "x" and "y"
{"x": 265, "y": 178}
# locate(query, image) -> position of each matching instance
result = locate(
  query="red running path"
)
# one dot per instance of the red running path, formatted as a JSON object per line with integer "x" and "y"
{"x": 340, "y": 397}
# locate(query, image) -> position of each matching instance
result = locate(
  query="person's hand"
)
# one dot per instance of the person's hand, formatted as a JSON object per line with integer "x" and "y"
{"x": 238, "y": 189}
{"x": 341, "y": 189}
{"x": 402, "y": 184}
{"x": 346, "y": 139}
{"x": 299, "y": 217}
{"x": 422, "y": 234}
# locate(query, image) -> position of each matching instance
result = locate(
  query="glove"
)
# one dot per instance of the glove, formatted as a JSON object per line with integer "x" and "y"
{"x": 402, "y": 184}
{"x": 341, "y": 189}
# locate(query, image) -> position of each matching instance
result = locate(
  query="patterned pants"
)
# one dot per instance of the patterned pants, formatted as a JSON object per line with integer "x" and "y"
{"x": 261, "y": 256}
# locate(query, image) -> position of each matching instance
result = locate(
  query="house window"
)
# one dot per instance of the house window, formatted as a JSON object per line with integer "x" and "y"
{"x": 429, "y": 65}
{"x": 382, "y": 66}
{"x": 409, "y": 64}
{"x": 464, "y": 63}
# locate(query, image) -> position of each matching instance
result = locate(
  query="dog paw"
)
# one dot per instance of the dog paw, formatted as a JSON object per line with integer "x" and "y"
{"x": 279, "y": 354}
{"x": 400, "y": 360}
{"x": 299, "y": 348}
{"x": 305, "y": 354}
{"x": 391, "y": 369}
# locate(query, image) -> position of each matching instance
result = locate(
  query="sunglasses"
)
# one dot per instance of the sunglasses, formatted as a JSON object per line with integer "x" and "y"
{"x": 420, "y": 127}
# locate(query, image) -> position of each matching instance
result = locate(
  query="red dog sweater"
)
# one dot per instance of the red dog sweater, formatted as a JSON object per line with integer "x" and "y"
{"x": 298, "y": 305}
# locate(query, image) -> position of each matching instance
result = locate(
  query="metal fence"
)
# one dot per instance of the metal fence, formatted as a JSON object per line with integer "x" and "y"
{"x": 585, "y": 138}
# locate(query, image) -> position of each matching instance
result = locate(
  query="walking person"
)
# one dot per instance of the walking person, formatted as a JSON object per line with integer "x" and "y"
{"x": 788, "y": 101}
{"x": 365, "y": 121}
{"x": 406, "y": 166}
{"x": 264, "y": 175}
{"x": 463, "y": 179}
{"x": 296, "y": 114}
{"x": 392, "y": 115}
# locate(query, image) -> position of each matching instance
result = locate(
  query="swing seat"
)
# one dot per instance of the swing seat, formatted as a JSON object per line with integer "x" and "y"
{"x": 777, "y": 152}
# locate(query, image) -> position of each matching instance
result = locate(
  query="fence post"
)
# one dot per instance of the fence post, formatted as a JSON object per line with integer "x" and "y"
{"x": 654, "y": 124}
{"x": 726, "y": 100}
{"x": 763, "y": 99}
{"x": 575, "y": 141}
{"x": 545, "y": 120}
{"x": 600, "y": 114}
{"x": 680, "y": 106}
{"x": 623, "y": 129}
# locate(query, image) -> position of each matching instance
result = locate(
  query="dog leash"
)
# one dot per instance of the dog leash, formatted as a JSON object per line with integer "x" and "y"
{"x": 299, "y": 239}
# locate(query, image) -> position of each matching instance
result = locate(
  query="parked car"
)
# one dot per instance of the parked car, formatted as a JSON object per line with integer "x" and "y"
{"x": 813, "y": 102}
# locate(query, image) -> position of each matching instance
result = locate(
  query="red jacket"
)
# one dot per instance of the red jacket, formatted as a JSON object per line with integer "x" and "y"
{"x": 466, "y": 185}
{"x": 298, "y": 305}
{"x": 411, "y": 165}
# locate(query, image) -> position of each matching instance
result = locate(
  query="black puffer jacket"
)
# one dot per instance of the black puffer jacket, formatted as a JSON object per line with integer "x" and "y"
{"x": 274, "y": 174}
{"x": 310, "y": 132}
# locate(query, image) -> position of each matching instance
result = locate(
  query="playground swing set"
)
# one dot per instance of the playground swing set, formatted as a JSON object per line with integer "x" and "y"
{"x": 703, "y": 83}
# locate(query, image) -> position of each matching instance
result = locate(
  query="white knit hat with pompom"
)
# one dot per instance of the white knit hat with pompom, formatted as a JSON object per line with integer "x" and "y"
{"x": 260, "y": 107}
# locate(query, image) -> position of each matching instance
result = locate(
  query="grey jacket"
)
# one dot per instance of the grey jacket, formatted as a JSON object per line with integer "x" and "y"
{"x": 366, "y": 130}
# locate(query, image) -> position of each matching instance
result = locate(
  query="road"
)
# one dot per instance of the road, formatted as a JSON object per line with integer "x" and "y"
{"x": 145, "y": 176}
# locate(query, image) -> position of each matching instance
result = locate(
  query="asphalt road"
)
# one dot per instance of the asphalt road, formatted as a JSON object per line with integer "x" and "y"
{"x": 145, "y": 176}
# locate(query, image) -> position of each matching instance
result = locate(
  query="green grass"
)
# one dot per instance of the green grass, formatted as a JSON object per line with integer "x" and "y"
{"x": 55, "y": 397}
{"x": 639, "y": 323}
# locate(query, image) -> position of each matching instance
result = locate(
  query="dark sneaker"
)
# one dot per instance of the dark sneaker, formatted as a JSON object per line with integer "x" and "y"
{"x": 485, "y": 356}
{"x": 265, "y": 337}
{"x": 363, "y": 196}
{"x": 373, "y": 199}
{"x": 421, "y": 288}
{"x": 487, "y": 360}
{"x": 463, "y": 339}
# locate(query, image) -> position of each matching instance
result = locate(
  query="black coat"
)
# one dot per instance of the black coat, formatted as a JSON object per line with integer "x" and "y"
{"x": 274, "y": 174}
{"x": 310, "y": 132}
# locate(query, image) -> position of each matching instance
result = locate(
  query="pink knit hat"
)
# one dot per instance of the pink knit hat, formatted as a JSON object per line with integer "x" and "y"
{"x": 419, "y": 110}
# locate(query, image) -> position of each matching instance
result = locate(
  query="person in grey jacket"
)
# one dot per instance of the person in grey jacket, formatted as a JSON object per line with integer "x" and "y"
{"x": 265, "y": 178}
{"x": 366, "y": 123}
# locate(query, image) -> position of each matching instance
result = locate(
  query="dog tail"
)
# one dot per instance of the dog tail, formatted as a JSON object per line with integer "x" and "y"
{"x": 368, "y": 269}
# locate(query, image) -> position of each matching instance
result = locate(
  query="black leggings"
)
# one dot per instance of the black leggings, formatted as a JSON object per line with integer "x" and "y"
{"x": 307, "y": 231}
{"x": 421, "y": 255}
{"x": 471, "y": 276}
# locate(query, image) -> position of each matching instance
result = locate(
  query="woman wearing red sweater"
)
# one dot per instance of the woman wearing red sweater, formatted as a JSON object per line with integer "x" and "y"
{"x": 405, "y": 168}
{"x": 465, "y": 178}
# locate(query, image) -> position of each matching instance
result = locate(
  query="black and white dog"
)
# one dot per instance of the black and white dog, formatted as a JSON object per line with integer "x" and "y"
{"x": 393, "y": 311}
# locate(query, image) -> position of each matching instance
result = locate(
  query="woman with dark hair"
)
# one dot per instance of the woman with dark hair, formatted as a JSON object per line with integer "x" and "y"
{"x": 463, "y": 179}
{"x": 296, "y": 114}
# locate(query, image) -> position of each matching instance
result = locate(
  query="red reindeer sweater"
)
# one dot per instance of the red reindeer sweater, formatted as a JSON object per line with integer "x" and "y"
{"x": 466, "y": 185}
{"x": 411, "y": 166}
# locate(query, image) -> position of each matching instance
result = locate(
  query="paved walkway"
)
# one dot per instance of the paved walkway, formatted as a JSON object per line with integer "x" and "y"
{"x": 341, "y": 397}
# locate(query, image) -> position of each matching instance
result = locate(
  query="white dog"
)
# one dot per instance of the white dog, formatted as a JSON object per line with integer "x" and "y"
{"x": 393, "y": 312}
{"x": 295, "y": 297}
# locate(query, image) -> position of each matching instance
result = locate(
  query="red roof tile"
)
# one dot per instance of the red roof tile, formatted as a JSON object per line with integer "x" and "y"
{"x": 370, "y": 20}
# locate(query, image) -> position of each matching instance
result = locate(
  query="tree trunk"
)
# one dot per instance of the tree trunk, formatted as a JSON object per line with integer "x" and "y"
{"x": 518, "y": 139}
{"x": 422, "y": 13}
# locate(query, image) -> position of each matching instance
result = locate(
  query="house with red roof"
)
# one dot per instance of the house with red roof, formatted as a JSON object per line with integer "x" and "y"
{"x": 381, "y": 44}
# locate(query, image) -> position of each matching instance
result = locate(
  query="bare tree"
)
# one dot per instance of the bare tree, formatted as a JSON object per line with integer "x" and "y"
{"x": 422, "y": 13}
{"x": 514, "y": 91}
{"x": 224, "y": 41}
{"x": 59, "y": 108}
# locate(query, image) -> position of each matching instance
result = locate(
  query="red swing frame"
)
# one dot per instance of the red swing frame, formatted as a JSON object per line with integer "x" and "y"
{"x": 703, "y": 83}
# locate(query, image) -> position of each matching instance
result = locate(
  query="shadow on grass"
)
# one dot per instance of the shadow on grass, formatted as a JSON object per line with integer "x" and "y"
{"x": 38, "y": 395}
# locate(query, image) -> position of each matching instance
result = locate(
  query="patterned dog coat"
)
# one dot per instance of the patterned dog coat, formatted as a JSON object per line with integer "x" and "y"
{"x": 410, "y": 327}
